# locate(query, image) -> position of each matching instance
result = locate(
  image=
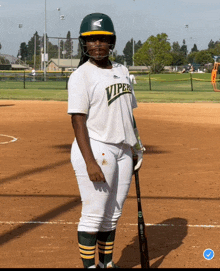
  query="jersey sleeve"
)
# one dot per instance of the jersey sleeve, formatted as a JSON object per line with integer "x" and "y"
{"x": 78, "y": 98}
{"x": 134, "y": 101}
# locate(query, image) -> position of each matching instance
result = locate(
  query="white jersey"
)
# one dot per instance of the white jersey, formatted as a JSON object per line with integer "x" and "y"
{"x": 107, "y": 97}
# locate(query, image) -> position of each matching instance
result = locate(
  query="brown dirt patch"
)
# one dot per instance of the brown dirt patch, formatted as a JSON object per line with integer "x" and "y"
{"x": 40, "y": 202}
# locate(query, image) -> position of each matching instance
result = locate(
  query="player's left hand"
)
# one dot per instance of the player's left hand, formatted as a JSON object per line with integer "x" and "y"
{"x": 137, "y": 159}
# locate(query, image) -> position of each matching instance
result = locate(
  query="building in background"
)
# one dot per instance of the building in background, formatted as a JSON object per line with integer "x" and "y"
{"x": 62, "y": 65}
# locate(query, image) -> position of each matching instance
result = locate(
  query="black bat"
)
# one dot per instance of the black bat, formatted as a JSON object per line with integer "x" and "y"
{"x": 141, "y": 228}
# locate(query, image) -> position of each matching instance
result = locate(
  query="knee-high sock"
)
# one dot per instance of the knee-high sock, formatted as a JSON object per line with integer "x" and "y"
{"x": 87, "y": 245}
{"x": 105, "y": 245}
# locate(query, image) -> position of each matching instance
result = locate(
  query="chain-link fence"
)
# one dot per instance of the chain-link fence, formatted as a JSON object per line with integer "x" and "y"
{"x": 60, "y": 54}
{"x": 25, "y": 79}
{"x": 145, "y": 82}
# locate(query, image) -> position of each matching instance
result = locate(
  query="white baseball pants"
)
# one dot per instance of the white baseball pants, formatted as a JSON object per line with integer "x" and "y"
{"x": 102, "y": 202}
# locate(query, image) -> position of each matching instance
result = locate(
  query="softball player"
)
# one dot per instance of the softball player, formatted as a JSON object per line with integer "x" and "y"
{"x": 101, "y": 101}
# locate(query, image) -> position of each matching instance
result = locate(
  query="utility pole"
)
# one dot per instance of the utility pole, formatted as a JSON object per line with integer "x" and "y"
{"x": 35, "y": 51}
{"x": 133, "y": 54}
{"x": 45, "y": 37}
{"x": 133, "y": 46}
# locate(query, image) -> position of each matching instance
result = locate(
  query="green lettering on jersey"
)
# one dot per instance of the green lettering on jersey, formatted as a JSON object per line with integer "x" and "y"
{"x": 109, "y": 92}
{"x": 119, "y": 89}
{"x": 124, "y": 87}
{"x": 115, "y": 88}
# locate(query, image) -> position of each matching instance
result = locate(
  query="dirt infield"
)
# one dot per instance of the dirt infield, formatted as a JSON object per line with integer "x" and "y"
{"x": 179, "y": 179}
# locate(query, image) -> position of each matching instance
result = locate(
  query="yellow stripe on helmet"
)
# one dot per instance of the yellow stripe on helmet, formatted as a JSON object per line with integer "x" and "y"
{"x": 97, "y": 33}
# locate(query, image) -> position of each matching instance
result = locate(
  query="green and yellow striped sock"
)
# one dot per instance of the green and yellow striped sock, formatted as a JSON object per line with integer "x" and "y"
{"x": 87, "y": 246}
{"x": 105, "y": 246}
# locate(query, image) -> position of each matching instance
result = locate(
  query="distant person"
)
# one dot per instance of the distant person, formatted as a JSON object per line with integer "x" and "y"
{"x": 183, "y": 71}
{"x": 191, "y": 69}
{"x": 33, "y": 72}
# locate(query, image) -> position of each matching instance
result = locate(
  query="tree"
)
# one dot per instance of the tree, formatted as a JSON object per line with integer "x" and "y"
{"x": 37, "y": 62}
{"x": 52, "y": 50}
{"x": 128, "y": 52}
{"x": 117, "y": 58}
{"x": 35, "y": 48}
{"x": 184, "y": 48}
{"x": 155, "y": 52}
{"x": 137, "y": 46}
{"x": 203, "y": 57}
{"x": 68, "y": 46}
{"x": 215, "y": 51}
{"x": 211, "y": 44}
{"x": 62, "y": 49}
{"x": 23, "y": 51}
{"x": 191, "y": 58}
{"x": 31, "y": 45}
{"x": 176, "y": 47}
{"x": 3, "y": 60}
{"x": 177, "y": 59}
{"x": 177, "y": 55}
{"x": 78, "y": 55}
{"x": 194, "y": 49}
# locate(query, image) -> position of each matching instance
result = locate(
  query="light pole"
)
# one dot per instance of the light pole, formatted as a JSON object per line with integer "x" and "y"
{"x": 187, "y": 27}
{"x": 133, "y": 54}
{"x": 19, "y": 56}
{"x": 45, "y": 36}
{"x": 61, "y": 17}
{"x": 133, "y": 45}
{"x": 35, "y": 39}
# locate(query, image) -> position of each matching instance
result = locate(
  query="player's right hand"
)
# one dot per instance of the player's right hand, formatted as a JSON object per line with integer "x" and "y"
{"x": 95, "y": 173}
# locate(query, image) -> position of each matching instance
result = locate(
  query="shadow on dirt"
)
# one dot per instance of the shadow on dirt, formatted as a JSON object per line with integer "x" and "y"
{"x": 4, "y": 105}
{"x": 38, "y": 221}
{"x": 162, "y": 239}
{"x": 64, "y": 147}
{"x": 153, "y": 150}
{"x": 37, "y": 170}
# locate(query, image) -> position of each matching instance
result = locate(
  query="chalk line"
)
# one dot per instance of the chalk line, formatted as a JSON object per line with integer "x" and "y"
{"x": 10, "y": 141}
{"x": 129, "y": 224}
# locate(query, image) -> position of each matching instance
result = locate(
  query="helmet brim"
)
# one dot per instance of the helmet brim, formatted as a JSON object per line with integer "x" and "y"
{"x": 89, "y": 33}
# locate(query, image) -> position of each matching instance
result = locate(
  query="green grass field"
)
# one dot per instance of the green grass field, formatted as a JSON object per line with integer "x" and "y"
{"x": 164, "y": 88}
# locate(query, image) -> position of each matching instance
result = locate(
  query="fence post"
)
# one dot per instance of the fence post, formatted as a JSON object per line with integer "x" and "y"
{"x": 149, "y": 81}
{"x": 66, "y": 81}
{"x": 24, "y": 78}
{"x": 191, "y": 81}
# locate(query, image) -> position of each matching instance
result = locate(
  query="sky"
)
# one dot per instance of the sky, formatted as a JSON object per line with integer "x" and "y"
{"x": 196, "y": 21}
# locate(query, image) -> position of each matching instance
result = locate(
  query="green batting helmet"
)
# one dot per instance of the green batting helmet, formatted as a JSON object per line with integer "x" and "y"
{"x": 97, "y": 24}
